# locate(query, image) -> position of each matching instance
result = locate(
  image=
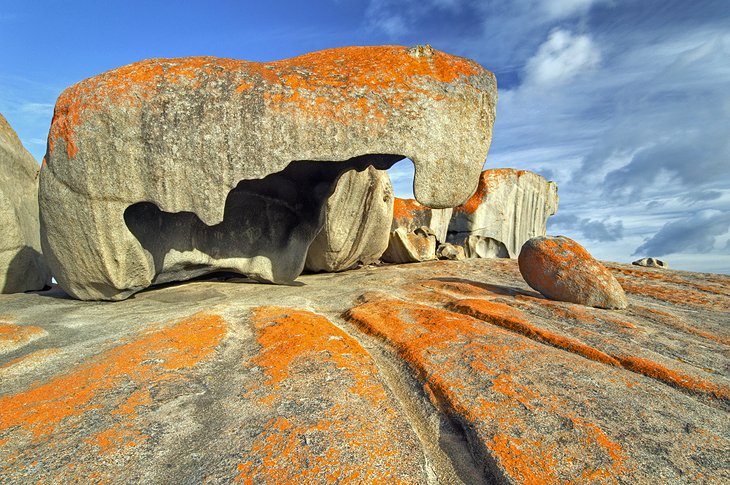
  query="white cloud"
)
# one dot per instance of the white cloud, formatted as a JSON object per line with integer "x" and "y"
{"x": 562, "y": 57}
{"x": 697, "y": 232}
{"x": 560, "y": 9}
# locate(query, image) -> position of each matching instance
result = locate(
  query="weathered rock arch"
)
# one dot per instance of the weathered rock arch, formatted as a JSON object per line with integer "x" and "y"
{"x": 183, "y": 134}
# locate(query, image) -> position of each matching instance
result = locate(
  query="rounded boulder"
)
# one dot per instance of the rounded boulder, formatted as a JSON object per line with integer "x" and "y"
{"x": 561, "y": 269}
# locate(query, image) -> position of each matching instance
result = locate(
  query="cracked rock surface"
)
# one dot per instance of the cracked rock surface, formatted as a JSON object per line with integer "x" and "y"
{"x": 167, "y": 169}
{"x": 22, "y": 267}
{"x": 439, "y": 372}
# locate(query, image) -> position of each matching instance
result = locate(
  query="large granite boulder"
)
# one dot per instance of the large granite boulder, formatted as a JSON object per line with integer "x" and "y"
{"x": 510, "y": 206}
{"x": 22, "y": 267}
{"x": 357, "y": 222}
{"x": 561, "y": 269}
{"x": 171, "y": 168}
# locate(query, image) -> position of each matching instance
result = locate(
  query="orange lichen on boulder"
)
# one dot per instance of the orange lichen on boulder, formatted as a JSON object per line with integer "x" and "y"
{"x": 49, "y": 412}
{"x": 563, "y": 270}
{"x": 404, "y": 209}
{"x": 302, "y": 352}
{"x": 512, "y": 319}
{"x": 487, "y": 181}
{"x": 299, "y": 82}
{"x": 15, "y": 336}
{"x": 480, "y": 373}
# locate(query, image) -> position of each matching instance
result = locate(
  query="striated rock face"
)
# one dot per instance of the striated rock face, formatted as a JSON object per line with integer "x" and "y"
{"x": 510, "y": 206}
{"x": 167, "y": 169}
{"x": 22, "y": 267}
{"x": 562, "y": 269}
{"x": 357, "y": 222}
{"x": 410, "y": 247}
{"x": 442, "y": 372}
{"x": 650, "y": 263}
{"x": 410, "y": 215}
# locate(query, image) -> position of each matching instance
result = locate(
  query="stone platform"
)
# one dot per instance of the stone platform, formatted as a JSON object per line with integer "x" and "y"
{"x": 440, "y": 372}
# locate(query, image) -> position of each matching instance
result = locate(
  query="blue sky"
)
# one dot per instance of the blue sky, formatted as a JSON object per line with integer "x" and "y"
{"x": 624, "y": 103}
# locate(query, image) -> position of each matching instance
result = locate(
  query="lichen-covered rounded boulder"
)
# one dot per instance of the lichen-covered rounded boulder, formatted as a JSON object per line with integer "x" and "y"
{"x": 563, "y": 270}
{"x": 357, "y": 222}
{"x": 22, "y": 267}
{"x": 167, "y": 169}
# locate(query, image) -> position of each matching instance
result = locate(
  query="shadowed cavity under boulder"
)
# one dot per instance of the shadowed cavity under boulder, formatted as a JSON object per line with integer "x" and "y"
{"x": 276, "y": 217}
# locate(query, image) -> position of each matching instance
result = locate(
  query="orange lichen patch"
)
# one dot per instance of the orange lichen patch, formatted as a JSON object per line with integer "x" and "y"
{"x": 479, "y": 372}
{"x": 488, "y": 180}
{"x": 677, "y": 379}
{"x": 512, "y": 319}
{"x": 405, "y": 209}
{"x": 518, "y": 458}
{"x": 562, "y": 310}
{"x": 154, "y": 357}
{"x": 15, "y": 336}
{"x": 287, "y": 335}
{"x": 468, "y": 288}
{"x": 351, "y": 456}
{"x": 674, "y": 295}
{"x": 325, "y": 82}
{"x": 718, "y": 284}
{"x": 676, "y": 322}
{"x": 357, "y": 426}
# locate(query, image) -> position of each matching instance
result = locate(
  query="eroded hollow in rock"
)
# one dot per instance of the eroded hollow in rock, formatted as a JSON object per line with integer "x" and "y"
{"x": 267, "y": 227}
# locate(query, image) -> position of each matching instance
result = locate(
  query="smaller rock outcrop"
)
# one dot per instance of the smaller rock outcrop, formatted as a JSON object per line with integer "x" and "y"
{"x": 357, "y": 222}
{"x": 410, "y": 247}
{"x": 411, "y": 215}
{"x": 563, "y": 270}
{"x": 22, "y": 267}
{"x": 650, "y": 263}
{"x": 509, "y": 205}
{"x": 450, "y": 251}
{"x": 416, "y": 232}
{"x": 484, "y": 247}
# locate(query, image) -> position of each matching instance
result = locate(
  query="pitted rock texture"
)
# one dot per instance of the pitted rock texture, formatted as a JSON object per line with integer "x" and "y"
{"x": 440, "y": 372}
{"x": 22, "y": 267}
{"x": 170, "y": 168}
{"x": 510, "y": 206}
{"x": 561, "y": 269}
{"x": 357, "y": 222}
{"x": 410, "y": 215}
{"x": 650, "y": 263}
